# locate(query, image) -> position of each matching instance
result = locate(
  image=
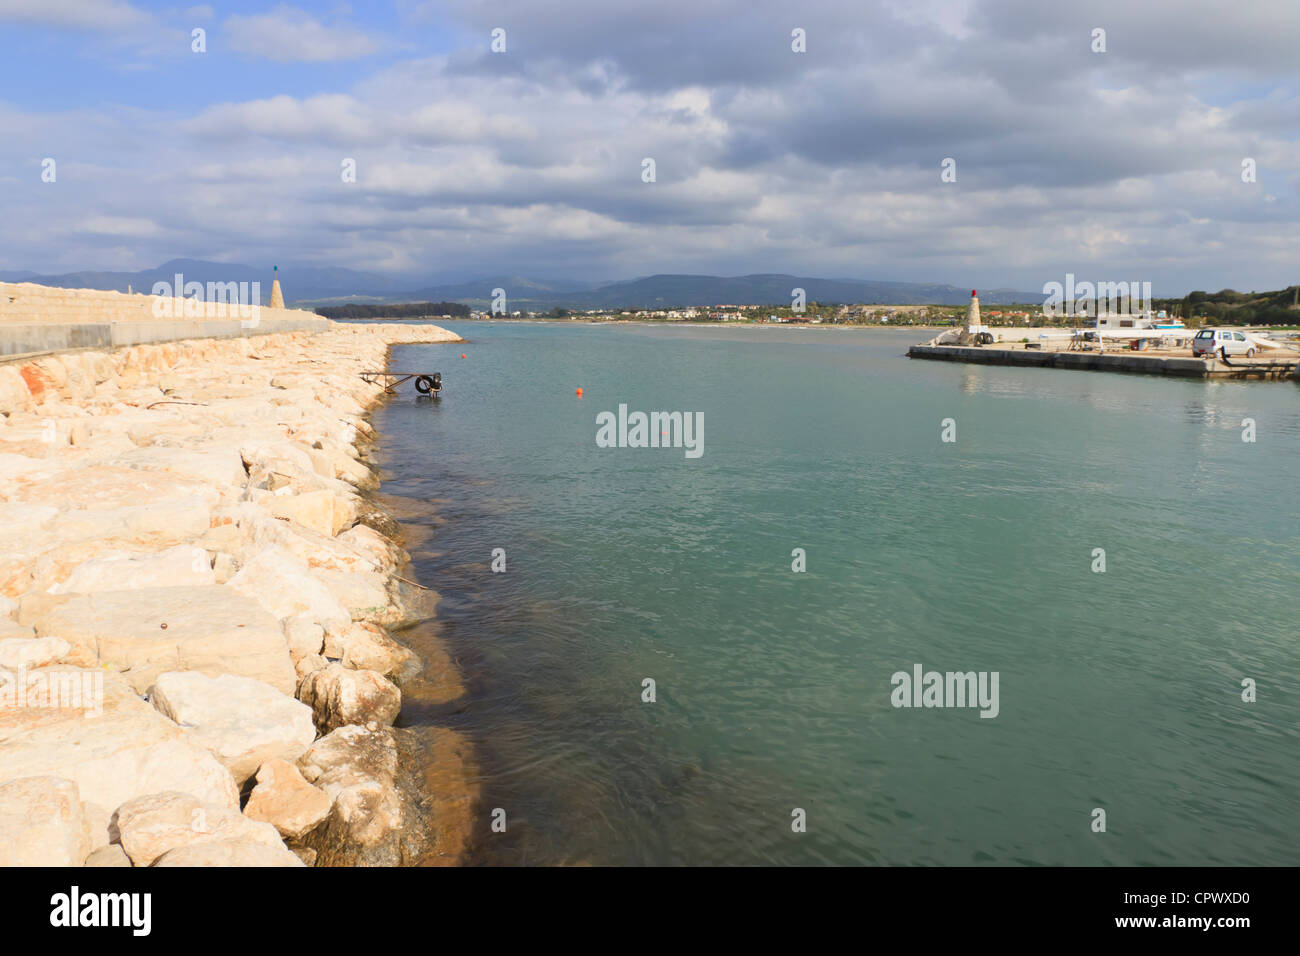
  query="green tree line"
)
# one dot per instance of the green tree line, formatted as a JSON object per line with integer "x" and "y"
{"x": 395, "y": 310}
{"x": 1230, "y": 307}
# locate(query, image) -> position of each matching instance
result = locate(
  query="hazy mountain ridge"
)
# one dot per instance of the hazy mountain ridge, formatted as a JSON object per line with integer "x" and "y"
{"x": 330, "y": 285}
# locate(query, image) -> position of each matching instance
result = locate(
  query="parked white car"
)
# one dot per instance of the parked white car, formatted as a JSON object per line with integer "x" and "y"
{"x": 1209, "y": 342}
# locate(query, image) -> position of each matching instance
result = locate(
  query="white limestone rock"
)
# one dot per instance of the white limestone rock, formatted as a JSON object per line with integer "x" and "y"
{"x": 145, "y": 632}
{"x": 357, "y": 767}
{"x": 305, "y": 638}
{"x": 364, "y": 646}
{"x": 242, "y": 722}
{"x": 339, "y": 696}
{"x": 323, "y": 511}
{"x": 42, "y": 823}
{"x": 363, "y": 594}
{"x": 179, "y": 566}
{"x": 286, "y": 588}
{"x": 156, "y": 823}
{"x": 31, "y": 651}
{"x": 114, "y": 746}
{"x": 229, "y": 853}
{"x": 284, "y": 799}
{"x": 12, "y": 631}
{"x": 111, "y": 855}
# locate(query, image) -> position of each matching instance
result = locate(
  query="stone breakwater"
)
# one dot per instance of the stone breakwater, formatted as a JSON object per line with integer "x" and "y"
{"x": 195, "y": 605}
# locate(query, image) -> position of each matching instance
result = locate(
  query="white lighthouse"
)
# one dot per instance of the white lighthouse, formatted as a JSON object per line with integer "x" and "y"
{"x": 973, "y": 313}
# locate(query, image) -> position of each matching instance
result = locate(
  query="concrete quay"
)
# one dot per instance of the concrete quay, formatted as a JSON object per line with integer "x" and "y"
{"x": 1117, "y": 361}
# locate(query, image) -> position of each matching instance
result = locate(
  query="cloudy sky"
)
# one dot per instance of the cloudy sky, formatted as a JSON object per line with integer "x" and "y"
{"x": 1123, "y": 164}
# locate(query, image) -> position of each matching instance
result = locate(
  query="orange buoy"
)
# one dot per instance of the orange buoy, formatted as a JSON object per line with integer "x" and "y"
{"x": 580, "y": 393}
{"x": 462, "y": 354}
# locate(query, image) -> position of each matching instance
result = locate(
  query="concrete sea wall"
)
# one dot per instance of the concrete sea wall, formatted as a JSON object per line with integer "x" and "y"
{"x": 1114, "y": 361}
{"x": 36, "y": 318}
{"x": 1274, "y": 368}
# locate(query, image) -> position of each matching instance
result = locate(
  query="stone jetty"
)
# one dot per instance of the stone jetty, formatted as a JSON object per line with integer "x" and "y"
{"x": 195, "y": 605}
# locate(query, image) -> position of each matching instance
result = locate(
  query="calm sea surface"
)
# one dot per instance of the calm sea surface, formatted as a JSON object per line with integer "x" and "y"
{"x": 1119, "y": 690}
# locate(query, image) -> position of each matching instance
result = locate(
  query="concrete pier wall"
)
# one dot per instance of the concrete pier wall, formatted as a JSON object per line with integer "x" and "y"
{"x": 1118, "y": 361}
{"x": 36, "y": 318}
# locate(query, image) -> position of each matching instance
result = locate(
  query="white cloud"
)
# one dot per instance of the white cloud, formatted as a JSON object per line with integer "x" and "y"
{"x": 130, "y": 226}
{"x": 825, "y": 165}
{"x": 74, "y": 14}
{"x": 290, "y": 35}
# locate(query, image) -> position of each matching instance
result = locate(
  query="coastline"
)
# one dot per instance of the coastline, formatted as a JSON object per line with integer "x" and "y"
{"x": 191, "y": 544}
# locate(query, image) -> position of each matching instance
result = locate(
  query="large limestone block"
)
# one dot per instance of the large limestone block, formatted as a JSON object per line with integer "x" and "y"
{"x": 9, "y": 631}
{"x": 31, "y": 651}
{"x": 156, "y": 823}
{"x": 260, "y": 531}
{"x": 363, "y": 646}
{"x": 218, "y": 465}
{"x": 20, "y": 471}
{"x": 42, "y": 823}
{"x": 229, "y": 853}
{"x": 339, "y": 696}
{"x": 21, "y": 523}
{"x": 15, "y": 396}
{"x": 286, "y": 587}
{"x": 143, "y": 633}
{"x": 43, "y": 378}
{"x": 182, "y": 565}
{"x": 276, "y": 454}
{"x": 284, "y": 799}
{"x": 243, "y": 722}
{"x": 161, "y": 431}
{"x": 364, "y": 594}
{"x": 98, "y": 487}
{"x": 108, "y": 856}
{"x": 357, "y": 767}
{"x": 325, "y": 512}
{"x": 161, "y": 524}
{"x": 305, "y": 639}
{"x": 382, "y": 552}
{"x": 114, "y": 746}
{"x": 333, "y": 463}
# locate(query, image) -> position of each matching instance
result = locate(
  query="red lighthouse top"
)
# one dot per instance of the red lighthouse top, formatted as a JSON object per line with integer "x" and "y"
{"x": 974, "y": 294}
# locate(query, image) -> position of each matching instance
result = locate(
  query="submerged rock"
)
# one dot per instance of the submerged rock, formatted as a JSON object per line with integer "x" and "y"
{"x": 382, "y": 523}
{"x": 357, "y": 767}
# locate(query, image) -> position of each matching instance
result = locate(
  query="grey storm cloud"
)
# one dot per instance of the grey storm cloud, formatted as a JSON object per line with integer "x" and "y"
{"x": 825, "y": 162}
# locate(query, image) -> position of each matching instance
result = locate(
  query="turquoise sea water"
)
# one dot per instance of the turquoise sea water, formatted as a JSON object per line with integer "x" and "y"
{"x": 1119, "y": 690}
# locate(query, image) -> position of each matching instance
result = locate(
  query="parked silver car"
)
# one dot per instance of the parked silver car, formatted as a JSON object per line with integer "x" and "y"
{"x": 1210, "y": 342}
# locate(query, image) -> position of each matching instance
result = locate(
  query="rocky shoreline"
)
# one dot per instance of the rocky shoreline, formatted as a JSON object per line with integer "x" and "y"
{"x": 196, "y": 595}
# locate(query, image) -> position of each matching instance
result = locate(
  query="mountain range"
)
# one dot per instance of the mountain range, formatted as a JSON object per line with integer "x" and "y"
{"x": 310, "y": 286}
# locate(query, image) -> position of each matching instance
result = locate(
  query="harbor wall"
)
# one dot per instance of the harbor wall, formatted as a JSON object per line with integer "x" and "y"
{"x": 1118, "y": 361}
{"x": 36, "y": 318}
